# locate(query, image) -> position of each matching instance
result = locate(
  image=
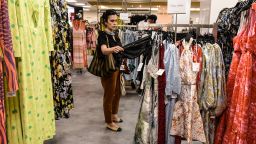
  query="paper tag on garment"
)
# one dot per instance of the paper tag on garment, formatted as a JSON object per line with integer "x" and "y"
{"x": 122, "y": 68}
{"x": 11, "y": 94}
{"x": 160, "y": 72}
{"x": 196, "y": 67}
{"x": 140, "y": 67}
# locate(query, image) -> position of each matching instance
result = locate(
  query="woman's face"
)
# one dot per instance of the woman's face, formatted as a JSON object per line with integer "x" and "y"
{"x": 111, "y": 23}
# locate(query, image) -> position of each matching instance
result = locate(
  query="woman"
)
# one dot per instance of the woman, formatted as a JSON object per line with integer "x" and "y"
{"x": 109, "y": 43}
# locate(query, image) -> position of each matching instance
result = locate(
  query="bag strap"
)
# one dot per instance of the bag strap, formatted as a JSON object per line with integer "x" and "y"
{"x": 107, "y": 42}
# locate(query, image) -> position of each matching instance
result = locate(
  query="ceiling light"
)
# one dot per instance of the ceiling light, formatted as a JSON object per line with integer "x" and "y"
{"x": 71, "y": 1}
{"x": 79, "y": 4}
{"x": 153, "y": 9}
{"x": 86, "y": 9}
{"x": 87, "y": 6}
{"x": 117, "y": 8}
{"x": 194, "y": 9}
{"x": 103, "y": 7}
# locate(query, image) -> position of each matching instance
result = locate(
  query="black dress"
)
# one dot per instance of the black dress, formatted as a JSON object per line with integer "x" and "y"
{"x": 228, "y": 24}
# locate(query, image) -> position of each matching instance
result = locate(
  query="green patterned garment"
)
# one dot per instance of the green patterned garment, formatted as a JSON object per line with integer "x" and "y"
{"x": 30, "y": 115}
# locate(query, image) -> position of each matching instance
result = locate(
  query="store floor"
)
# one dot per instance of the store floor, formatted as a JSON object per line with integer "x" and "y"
{"x": 86, "y": 124}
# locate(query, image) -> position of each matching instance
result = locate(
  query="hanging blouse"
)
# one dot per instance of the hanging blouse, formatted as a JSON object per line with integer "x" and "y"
{"x": 171, "y": 62}
{"x": 212, "y": 96}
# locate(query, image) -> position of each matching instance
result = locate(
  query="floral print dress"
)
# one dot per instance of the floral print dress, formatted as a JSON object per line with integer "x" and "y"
{"x": 146, "y": 131}
{"x": 61, "y": 60}
{"x": 187, "y": 121}
{"x": 238, "y": 124}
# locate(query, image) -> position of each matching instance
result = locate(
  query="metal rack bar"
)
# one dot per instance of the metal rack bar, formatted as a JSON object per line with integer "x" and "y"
{"x": 197, "y": 26}
{"x": 134, "y": 26}
{"x": 173, "y": 25}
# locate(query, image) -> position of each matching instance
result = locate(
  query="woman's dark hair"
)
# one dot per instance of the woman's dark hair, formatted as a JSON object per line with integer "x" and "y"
{"x": 152, "y": 17}
{"x": 108, "y": 13}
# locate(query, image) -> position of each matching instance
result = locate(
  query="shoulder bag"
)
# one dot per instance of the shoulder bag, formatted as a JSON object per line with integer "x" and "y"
{"x": 102, "y": 66}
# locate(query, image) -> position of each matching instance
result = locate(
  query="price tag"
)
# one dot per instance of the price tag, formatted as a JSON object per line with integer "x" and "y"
{"x": 122, "y": 68}
{"x": 160, "y": 72}
{"x": 196, "y": 67}
{"x": 140, "y": 67}
{"x": 124, "y": 16}
{"x": 11, "y": 94}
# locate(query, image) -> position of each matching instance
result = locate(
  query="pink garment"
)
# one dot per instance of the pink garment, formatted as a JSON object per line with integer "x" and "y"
{"x": 79, "y": 49}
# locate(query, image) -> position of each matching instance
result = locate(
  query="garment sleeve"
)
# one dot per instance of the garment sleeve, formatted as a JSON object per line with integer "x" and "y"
{"x": 48, "y": 25}
{"x": 176, "y": 84}
{"x": 221, "y": 83}
{"x": 200, "y": 94}
{"x": 102, "y": 40}
{"x": 167, "y": 68}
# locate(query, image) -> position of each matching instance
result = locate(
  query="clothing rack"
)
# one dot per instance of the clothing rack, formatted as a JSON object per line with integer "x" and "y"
{"x": 133, "y": 26}
{"x": 196, "y": 26}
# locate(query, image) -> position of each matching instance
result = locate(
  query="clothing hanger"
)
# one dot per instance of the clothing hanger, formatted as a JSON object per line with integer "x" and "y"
{"x": 245, "y": 5}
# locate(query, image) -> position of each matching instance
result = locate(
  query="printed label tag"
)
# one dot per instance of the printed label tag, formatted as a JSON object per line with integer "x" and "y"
{"x": 160, "y": 72}
{"x": 196, "y": 67}
{"x": 140, "y": 67}
{"x": 122, "y": 68}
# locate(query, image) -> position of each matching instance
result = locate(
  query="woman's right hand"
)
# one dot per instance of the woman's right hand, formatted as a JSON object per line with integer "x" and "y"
{"x": 117, "y": 49}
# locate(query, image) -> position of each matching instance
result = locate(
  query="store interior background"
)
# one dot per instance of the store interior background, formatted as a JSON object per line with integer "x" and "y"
{"x": 86, "y": 126}
{"x": 197, "y": 12}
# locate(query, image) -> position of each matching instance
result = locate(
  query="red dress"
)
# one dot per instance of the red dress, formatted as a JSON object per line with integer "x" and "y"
{"x": 238, "y": 124}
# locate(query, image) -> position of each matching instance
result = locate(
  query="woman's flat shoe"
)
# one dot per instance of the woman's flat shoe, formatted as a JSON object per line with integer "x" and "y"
{"x": 118, "y": 121}
{"x": 114, "y": 130}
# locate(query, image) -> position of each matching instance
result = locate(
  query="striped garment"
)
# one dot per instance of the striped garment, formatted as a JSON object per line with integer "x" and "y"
{"x": 7, "y": 49}
{"x": 7, "y": 57}
{"x": 3, "y": 139}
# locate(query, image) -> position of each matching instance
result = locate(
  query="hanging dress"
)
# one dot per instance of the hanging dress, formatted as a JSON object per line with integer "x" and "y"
{"x": 30, "y": 115}
{"x": 7, "y": 66}
{"x": 161, "y": 97}
{"x": 187, "y": 121}
{"x": 173, "y": 85}
{"x": 61, "y": 60}
{"x": 147, "y": 125}
{"x": 240, "y": 117}
{"x": 79, "y": 45}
